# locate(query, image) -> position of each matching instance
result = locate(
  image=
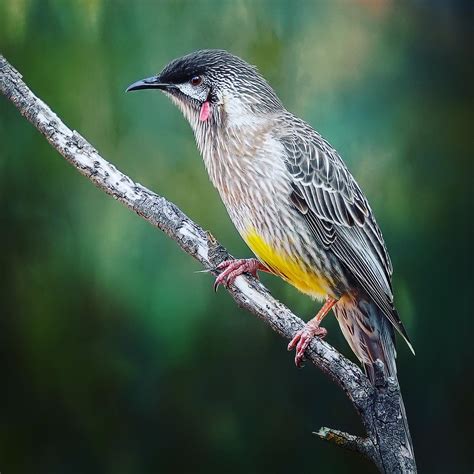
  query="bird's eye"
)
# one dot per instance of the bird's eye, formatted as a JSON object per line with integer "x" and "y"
{"x": 196, "y": 80}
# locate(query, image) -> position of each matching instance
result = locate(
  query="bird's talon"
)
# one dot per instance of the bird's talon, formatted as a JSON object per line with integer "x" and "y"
{"x": 293, "y": 342}
{"x": 303, "y": 339}
{"x": 220, "y": 280}
{"x": 299, "y": 362}
{"x": 224, "y": 264}
{"x": 231, "y": 269}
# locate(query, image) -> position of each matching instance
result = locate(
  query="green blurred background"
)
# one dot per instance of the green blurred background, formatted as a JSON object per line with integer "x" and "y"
{"x": 115, "y": 355}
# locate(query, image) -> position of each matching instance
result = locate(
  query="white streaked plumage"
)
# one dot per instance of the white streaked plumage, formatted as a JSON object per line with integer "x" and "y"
{"x": 279, "y": 179}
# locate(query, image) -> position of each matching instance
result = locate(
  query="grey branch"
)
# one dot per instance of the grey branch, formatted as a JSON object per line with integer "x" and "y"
{"x": 364, "y": 446}
{"x": 378, "y": 407}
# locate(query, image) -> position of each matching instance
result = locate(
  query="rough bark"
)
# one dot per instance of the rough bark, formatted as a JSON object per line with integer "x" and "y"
{"x": 378, "y": 406}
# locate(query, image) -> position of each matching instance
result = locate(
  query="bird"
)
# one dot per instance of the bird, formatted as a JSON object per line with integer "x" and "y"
{"x": 292, "y": 199}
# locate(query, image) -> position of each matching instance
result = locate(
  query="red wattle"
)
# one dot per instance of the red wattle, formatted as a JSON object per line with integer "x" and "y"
{"x": 205, "y": 111}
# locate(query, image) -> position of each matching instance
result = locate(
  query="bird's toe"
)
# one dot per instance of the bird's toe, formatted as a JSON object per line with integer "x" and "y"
{"x": 302, "y": 340}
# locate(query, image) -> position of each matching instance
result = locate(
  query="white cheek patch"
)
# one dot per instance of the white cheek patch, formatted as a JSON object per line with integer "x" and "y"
{"x": 200, "y": 94}
{"x": 192, "y": 91}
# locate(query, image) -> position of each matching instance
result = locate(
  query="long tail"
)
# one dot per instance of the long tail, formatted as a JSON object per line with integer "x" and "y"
{"x": 371, "y": 336}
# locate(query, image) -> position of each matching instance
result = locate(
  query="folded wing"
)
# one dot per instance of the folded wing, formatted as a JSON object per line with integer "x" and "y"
{"x": 339, "y": 216}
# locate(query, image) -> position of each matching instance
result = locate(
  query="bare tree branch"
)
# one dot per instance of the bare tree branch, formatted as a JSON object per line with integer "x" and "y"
{"x": 378, "y": 407}
{"x": 360, "y": 445}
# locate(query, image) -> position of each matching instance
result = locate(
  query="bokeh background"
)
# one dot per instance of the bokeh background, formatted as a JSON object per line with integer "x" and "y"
{"x": 115, "y": 355}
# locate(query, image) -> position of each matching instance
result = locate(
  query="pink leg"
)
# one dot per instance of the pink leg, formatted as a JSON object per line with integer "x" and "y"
{"x": 312, "y": 329}
{"x": 231, "y": 269}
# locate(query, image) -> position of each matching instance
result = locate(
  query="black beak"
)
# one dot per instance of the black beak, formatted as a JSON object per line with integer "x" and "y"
{"x": 153, "y": 82}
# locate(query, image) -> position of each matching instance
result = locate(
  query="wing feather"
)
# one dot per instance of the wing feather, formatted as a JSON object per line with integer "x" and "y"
{"x": 338, "y": 214}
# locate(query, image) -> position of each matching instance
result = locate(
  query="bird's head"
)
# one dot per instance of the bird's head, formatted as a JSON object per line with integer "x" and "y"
{"x": 213, "y": 87}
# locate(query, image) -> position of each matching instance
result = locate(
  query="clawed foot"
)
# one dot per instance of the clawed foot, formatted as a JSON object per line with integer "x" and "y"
{"x": 231, "y": 269}
{"x": 303, "y": 338}
{"x": 312, "y": 329}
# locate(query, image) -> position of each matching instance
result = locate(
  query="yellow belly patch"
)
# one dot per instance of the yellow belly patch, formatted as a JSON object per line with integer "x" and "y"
{"x": 287, "y": 266}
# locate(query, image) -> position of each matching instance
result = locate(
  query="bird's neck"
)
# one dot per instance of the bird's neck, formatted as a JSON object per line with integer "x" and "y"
{"x": 235, "y": 151}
